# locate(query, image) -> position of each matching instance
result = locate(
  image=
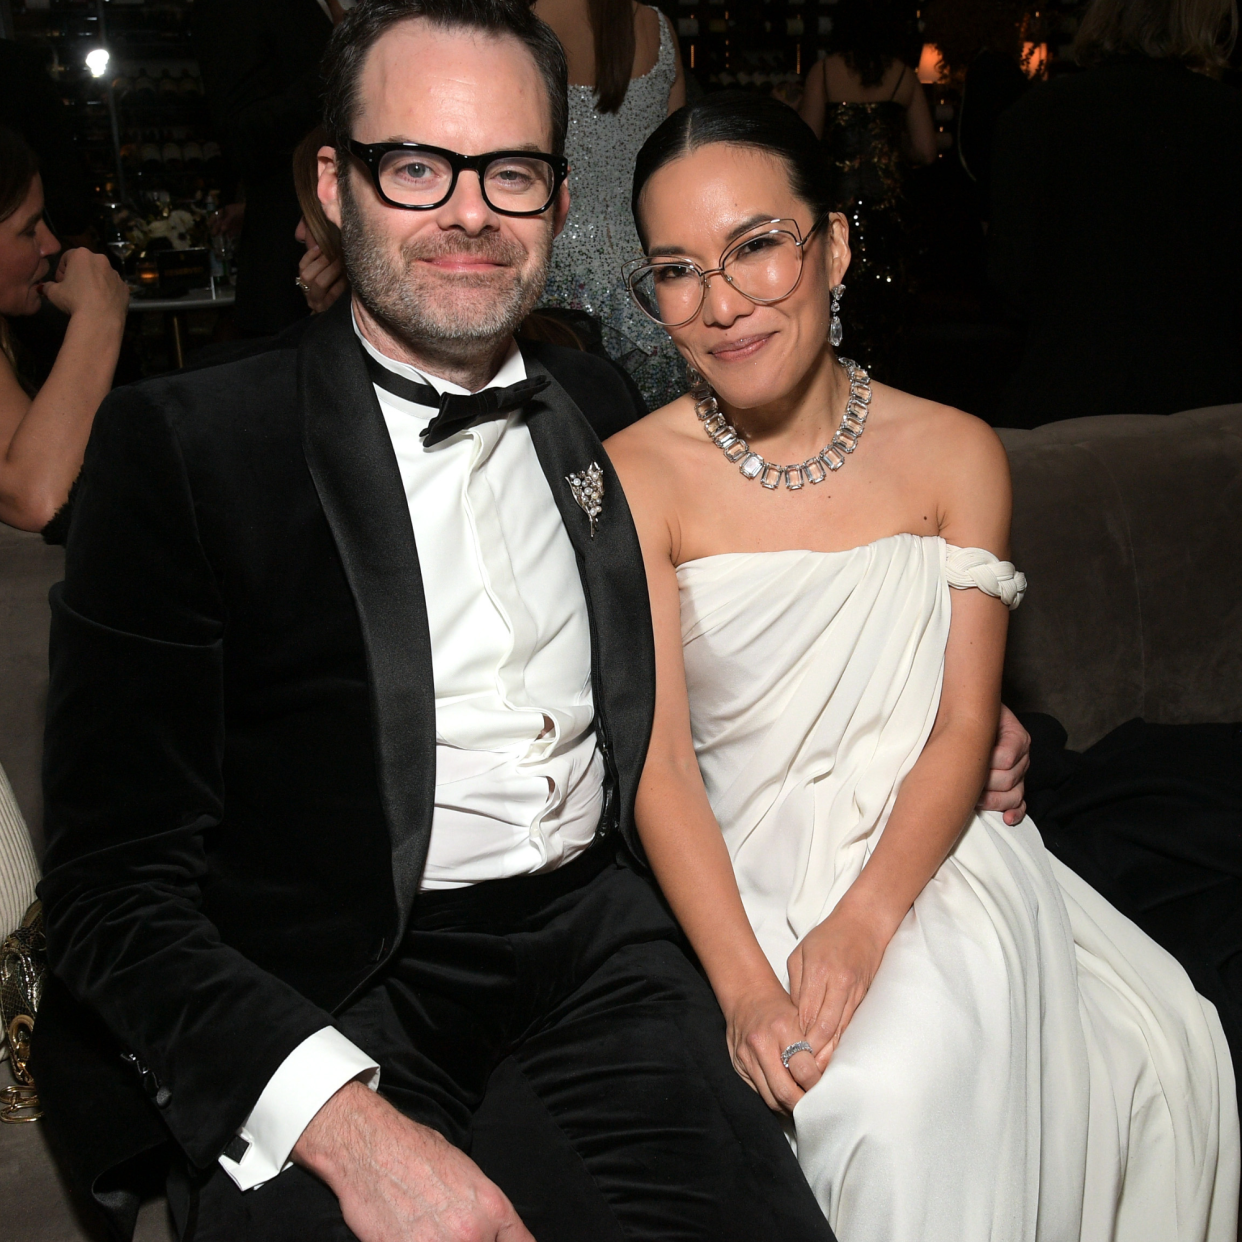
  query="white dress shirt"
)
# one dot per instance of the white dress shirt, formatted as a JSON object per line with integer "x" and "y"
{"x": 519, "y": 778}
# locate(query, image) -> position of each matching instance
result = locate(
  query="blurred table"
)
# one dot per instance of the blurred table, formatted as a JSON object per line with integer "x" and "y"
{"x": 217, "y": 297}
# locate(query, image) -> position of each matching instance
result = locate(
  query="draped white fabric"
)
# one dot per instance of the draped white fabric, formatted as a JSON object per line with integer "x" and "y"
{"x": 1027, "y": 1064}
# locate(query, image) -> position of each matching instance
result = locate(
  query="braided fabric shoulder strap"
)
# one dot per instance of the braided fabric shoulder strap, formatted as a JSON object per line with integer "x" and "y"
{"x": 977, "y": 567}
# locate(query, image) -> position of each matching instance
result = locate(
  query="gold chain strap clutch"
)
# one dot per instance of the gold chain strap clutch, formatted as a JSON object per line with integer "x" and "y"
{"x": 23, "y": 964}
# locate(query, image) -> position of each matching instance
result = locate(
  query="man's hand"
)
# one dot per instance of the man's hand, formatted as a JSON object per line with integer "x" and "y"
{"x": 398, "y": 1181}
{"x": 1005, "y": 789}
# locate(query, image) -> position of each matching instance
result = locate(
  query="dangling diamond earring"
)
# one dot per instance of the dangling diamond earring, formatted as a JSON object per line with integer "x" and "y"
{"x": 836, "y": 333}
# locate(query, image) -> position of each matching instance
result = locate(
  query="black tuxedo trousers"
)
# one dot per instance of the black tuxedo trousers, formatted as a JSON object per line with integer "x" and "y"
{"x": 554, "y": 1028}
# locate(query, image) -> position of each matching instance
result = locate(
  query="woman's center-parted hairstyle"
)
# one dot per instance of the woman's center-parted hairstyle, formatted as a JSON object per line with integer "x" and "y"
{"x": 739, "y": 119}
{"x": 369, "y": 20}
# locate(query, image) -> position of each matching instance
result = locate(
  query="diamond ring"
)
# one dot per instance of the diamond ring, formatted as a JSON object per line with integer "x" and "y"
{"x": 793, "y": 1050}
{"x": 301, "y": 284}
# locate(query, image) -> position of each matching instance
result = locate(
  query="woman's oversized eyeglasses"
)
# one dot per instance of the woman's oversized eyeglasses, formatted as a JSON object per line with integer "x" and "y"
{"x": 764, "y": 267}
{"x": 415, "y": 177}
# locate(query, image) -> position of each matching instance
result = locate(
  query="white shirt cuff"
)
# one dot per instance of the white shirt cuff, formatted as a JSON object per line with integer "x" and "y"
{"x": 307, "y": 1078}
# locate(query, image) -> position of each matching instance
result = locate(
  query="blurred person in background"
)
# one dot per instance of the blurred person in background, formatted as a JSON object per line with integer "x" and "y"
{"x": 31, "y": 105}
{"x": 1115, "y": 229}
{"x": 981, "y": 45}
{"x": 260, "y": 64}
{"x": 868, "y": 109}
{"x": 625, "y": 77}
{"x": 43, "y": 433}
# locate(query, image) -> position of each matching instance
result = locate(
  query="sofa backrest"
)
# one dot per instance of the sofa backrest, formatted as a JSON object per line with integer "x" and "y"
{"x": 1129, "y": 529}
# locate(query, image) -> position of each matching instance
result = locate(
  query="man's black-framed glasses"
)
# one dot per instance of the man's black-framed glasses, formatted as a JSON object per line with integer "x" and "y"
{"x": 416, "y": 177}
{"x": 764, "y": 266}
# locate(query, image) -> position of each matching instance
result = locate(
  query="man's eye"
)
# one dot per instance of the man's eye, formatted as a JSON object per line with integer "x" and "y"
{"x": 512, "y": 178}
{"x": 414, "y": 171}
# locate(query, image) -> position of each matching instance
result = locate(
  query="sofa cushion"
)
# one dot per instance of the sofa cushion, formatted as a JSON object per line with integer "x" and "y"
{"x": 1129, "y": 529}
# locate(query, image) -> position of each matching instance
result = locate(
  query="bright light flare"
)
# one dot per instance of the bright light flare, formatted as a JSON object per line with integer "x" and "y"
{"x": 97, "y": 62}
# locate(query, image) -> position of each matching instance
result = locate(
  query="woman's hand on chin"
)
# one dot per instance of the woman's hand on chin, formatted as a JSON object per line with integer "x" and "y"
{"x": 762, "y": 1023}
{"x": 829, "y": 974}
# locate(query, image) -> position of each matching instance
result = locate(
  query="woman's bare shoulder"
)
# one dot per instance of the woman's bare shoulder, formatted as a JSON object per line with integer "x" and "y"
{"x": 654, "y": 434}
{"x": 938, "y": 430}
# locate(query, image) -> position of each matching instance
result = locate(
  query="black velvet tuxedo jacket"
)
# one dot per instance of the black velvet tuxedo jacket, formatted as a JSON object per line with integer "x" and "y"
{"x": 240, "y": 754}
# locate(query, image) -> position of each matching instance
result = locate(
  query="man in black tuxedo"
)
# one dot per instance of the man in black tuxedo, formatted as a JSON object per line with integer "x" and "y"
{"x": 351, "y": 691}
{"x": 351, "y": 694}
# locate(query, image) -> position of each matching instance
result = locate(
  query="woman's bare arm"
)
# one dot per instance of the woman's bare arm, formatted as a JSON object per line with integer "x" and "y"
{"x": 832, "y": 969}
{"x": 675, "y": 822}
{"x": 677, "y": 92}
{"x": 920, "y": 132}
{"x": 42, "y": 440}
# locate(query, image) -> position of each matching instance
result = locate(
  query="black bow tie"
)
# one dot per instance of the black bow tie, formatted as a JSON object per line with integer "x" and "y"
{"x": 456, "y": 411}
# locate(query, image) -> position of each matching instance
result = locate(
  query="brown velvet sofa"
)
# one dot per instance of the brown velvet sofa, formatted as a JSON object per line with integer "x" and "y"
{"x": 1129, "y": 528}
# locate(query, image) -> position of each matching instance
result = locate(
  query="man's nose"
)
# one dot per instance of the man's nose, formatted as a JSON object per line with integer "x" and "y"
{"x": 466, "y": 208}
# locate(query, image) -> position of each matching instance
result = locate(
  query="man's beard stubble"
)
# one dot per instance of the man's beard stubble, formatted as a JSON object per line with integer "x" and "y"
{"x": 449, "y": 315}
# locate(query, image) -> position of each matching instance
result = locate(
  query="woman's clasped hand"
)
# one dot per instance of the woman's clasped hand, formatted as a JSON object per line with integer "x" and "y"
{"x": 86, "y": 283}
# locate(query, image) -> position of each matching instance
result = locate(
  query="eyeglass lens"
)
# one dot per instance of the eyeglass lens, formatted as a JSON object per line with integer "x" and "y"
{"x": 420, "y": 178}
{"x": 763, "y": 268}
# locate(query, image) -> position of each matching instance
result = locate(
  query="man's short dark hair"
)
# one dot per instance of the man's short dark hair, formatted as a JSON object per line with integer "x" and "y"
{"x": 369, "y": 20}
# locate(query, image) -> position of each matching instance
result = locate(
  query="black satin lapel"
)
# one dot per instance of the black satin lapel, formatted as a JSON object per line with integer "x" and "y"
{"x": 613, "y": 578}
{"x": 355, "y": 470}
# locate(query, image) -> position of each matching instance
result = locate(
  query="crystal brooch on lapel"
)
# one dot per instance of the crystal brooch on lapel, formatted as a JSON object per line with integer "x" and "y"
{"x": 587, "y": 487}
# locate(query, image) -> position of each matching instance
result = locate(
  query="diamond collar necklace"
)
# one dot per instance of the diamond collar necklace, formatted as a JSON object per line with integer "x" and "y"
{"x": 725, "y": 437}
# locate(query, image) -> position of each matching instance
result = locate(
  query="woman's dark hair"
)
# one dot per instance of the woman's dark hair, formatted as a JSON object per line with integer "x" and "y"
{"x": 612, "y": 24}
{"x": 18, "y": 166}
{"x": 1199, "y": 33}
{"x": 867, "y": 36}
{"x": 739, "y": 119}
{"x": 369, "y": 20}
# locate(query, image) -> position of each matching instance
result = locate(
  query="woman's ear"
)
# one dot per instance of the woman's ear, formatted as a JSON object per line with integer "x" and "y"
{"x": 837, "y": 251}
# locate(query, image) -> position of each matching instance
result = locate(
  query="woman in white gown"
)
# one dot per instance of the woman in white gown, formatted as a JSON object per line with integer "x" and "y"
{"x": 971, "y": 1043}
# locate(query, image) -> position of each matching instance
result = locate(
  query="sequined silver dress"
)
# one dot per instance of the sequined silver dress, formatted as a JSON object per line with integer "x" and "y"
{"x": 599, "y": 237}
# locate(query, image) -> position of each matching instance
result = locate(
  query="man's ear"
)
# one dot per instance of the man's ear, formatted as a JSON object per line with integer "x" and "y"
{"x": 560, "y": 208}
{"x": 329, "y": 185}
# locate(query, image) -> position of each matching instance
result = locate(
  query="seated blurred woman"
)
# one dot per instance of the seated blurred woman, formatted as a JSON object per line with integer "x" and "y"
{"x": 973, "y": 1045}
{"x": 1116, "y": 196}
{"x": 869, "y": 110}
{"x": 43, "y": 433}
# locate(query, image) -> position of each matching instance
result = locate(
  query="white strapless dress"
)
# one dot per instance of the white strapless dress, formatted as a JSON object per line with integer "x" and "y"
{"x": 1028, "y": 1064}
